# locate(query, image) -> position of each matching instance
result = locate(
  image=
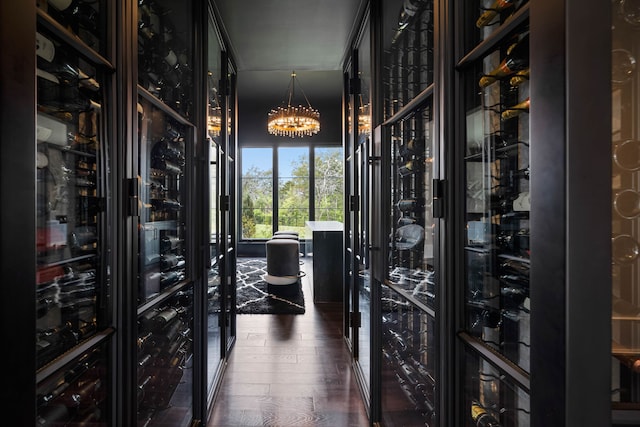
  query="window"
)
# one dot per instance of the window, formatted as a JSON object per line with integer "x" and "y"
{"x": 257, "y": 193}
{"x": 328, "y": 184}
{"x": 305, "y": 184}
{"x": 293, "y": 189}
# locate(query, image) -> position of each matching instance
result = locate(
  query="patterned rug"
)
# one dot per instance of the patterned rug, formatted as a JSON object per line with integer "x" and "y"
{"x": 253, "y": 296}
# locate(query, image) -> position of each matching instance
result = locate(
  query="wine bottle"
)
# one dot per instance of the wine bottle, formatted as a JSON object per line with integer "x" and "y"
{"x": 497, "y": 7}
{"x": 166, "y": 166}
{"x": 164, "y": 150}
{"x": 626, "y": 203}
{"x": 516, "y": 110}
{"x": 408, "y": 205}
{"x": 412, "y": 147}
{"x": 161, "y": 319}
{"x": 517, "y": 59}
{"x": 519, "y": 77}
{"x": 406, "y": 220}
{"x": 409, "y": 9}
{"x": 624, "y": 249}
{"x": 169, "y": 243}
{"x": 77, "y": 13}
{"x": 171, "y": 261}
{"x": 409, "y": 168}
{"x": 626, "y": 155}
{"x": 482, "y": 418}
{"x": 60, "y": 64}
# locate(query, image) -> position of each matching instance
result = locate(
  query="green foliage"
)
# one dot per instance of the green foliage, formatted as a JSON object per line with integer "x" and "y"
{"x": 257, "y": 191}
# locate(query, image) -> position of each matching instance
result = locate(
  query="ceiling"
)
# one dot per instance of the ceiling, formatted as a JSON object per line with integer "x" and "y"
{"x": 270, "y": 39}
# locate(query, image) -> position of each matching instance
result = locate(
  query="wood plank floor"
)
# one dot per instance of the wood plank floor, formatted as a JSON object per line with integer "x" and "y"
{"x": 290, "y": 370}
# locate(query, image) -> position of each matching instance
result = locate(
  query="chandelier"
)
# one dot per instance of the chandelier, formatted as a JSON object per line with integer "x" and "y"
{"x": 293, "y": 121}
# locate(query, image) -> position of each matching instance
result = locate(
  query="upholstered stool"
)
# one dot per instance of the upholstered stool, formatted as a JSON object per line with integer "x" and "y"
{"x": 283, "y": 266}
{"x": 285, "y": 236}
{"x": 290, "y": 232}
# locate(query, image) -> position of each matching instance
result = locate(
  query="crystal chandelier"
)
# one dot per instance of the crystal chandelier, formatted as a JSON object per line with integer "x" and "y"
{"x": 293, "y": 121}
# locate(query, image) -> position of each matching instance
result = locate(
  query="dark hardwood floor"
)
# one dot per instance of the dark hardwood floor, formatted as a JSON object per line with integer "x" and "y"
{"x": 290, "y": 370}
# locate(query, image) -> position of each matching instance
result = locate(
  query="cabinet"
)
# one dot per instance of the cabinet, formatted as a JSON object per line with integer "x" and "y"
{"x": 165, "y": 149}
{"x": 73, "y": 325}
{"x": 408, "y": 158}
{"x": 494, "y": 79}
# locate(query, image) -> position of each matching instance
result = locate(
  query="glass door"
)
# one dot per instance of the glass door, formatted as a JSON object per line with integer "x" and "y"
{"x": 72, "y": 281}
{"x": 362, "y": 161}
{"x": 495, "y": 340}
{"x": 166, "y": 143}
{"x": 408, "y": 288}
{"x": 215, "y": 132}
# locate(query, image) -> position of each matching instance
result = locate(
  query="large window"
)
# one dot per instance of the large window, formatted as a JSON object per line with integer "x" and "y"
{"x": 306, "y": 182}
{"x": 257, "y": 193}
{"x": 328, "y": 184}
{"x": 293, "y": 188}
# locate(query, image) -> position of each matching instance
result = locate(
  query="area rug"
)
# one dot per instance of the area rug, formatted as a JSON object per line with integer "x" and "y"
{"x": 252, "y": 295}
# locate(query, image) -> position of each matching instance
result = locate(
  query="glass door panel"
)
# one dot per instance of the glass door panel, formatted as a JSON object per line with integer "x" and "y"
{"x": 214, "y": 132}
{"x": 495, "y": 97}
{"x": 409, "y": 362}
{"x": 625, "y": 228}
{"x": 162, "y": 154}
{"x": 72, "y": 245}
{"x": 165, "y": 362}
{"x": 71, "y": 281}
{"x": 165, "y": 52}
{"x": 363, "y": 153}
{"x": 85, "y": 19}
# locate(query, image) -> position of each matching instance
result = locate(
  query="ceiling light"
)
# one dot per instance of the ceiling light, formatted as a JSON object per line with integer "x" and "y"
{"x": 294, "y": 121}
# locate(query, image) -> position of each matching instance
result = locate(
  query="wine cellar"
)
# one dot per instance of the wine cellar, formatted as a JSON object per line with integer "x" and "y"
{"x": 491, "y": 205}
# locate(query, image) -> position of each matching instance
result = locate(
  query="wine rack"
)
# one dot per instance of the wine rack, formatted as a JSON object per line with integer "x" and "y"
{"x": 72, "y": 281}
{"x": 625, "y": 386}
{"x": 85, "y": 19}
{"x": 76, "y": 395}
{"x": 409, "y": 289}
{"x": 165, "y": 53}
{"x": 163, "y": 195}
{"x": 495, "y": 79}
{"x": 165, "y": 352}
{"x": 408, "y": 362}
{"x": 70, "y": 199}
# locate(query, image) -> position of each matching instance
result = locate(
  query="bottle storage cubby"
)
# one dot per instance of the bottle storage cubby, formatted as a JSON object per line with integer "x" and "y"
{"x": 408, "y": 362}
{"x": 163, "y": 197}
{"x": 165, "y": 362}
{"x": 77, "y": 394}
{"x": 494, "y": 73}
{"x": 165, "y": 53}
{"x": 84, "y": 19}
{"x": 70, "y": 183}
{"x": 490, "y": 397}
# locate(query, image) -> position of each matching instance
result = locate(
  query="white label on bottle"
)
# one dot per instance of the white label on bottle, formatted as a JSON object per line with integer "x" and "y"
{"x": 45, "y": 48}
{"x": 60, "y": 4}
{"x": 41, "y": 160}
{"x": 171, "y": 58}
{"x": 51, "y": 130}
{"x": 42, "y": 133}
{"x": 47, "y": 76}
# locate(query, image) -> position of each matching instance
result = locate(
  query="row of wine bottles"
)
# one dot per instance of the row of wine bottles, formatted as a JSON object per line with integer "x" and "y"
{"x": 75, "y": 396}
{"x": 83, "y": 18}
{"x": 164, "y": 58}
